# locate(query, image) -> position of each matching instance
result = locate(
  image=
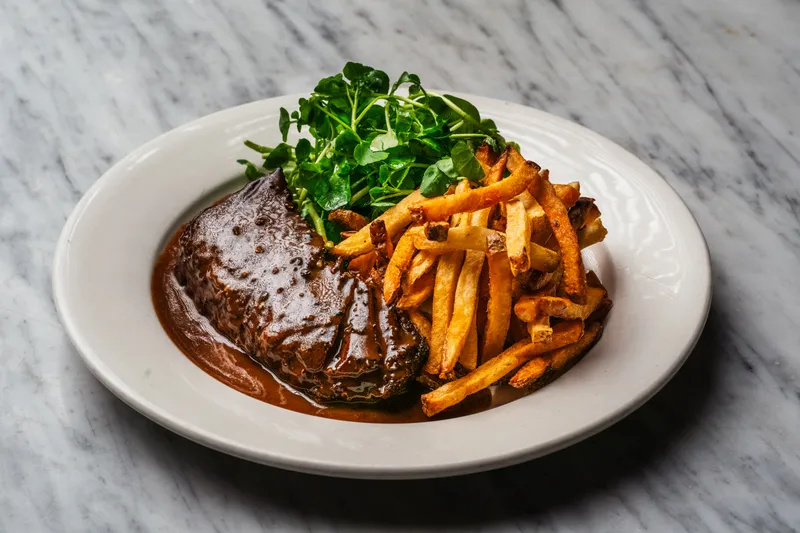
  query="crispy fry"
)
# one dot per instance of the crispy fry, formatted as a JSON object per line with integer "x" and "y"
{"x": 469, "y": 355}
{"x": 515, "y": 160}
{"x": 444, "y": 290}
{"x": 464, "y": 237}
{"x": 574, "y": 273}
{"x": 579, "y": 212}
{"x": 420, "y": 322}
{"x": 395, "y": 219}
{"x": 421, "y": 264}
{"x": 498, "y": 309}
{"x": 442, "y": 207}
{"x": 540, "y": 330}
{"x": 495, "y": 369}
{"x": 486, "y": 157}
{"x": 381, "y": 241}
{"x": 531, "y": 308}
{"x": 497, "y": 170}
{"x": 416, "y": 294}
{"x": 518, "y": 236}
{"x": 540, "y": 371}
{"x": 568, "y": 194}
{"x": 436, "y": 231}
{"x": 592, "y": 234}
{"x": 399, "y": 263}
{"x": 348, "y": 219}
{"x": 474, "y": 238}
{"x": 363, "y": 263}
{"x": 591, "y": 215}
{"x": 464, "y": 306}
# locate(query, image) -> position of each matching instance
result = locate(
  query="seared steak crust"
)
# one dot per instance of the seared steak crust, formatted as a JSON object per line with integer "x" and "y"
{"x": 257, "y": 270}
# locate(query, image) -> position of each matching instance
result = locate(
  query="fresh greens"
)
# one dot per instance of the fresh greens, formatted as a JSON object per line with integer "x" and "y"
{"x": 370, "y": 146}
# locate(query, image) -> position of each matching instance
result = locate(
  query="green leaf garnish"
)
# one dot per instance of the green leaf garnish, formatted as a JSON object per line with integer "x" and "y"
{"x": 367, "y": 145}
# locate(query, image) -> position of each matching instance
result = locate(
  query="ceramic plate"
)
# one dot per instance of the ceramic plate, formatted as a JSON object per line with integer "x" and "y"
{"x": 654, "y": 262}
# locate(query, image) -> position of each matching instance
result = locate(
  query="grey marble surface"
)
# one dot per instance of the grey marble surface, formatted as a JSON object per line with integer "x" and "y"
{"x": 708, "y": 93}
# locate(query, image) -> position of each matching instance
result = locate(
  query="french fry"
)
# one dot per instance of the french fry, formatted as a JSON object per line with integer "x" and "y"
{"x": 348, "y": 219}
{"x": 486, "y": 157}
{"x": 591, "y": 215}
{"x": 460, "y": 238}
{"x": 498, "y": 308}
{"x": 442, "y": 207}
{"x": 416, "y": 294}
{"x": 568, "y": 194}
{"x": 469, "y": 355}
{"x": 495, "y": 369}
{"x": 515, "y": 160}
{"x": 531, "y": 308}
{"x": 421, "y": 264}
{"x": 518, "y": 236}
{"x": 592, "y": 234}
{"x": 395, "y": 218}
{"x": 436, "y": 231}
{"x": 381, "y": 241}
{"x": 497, "y": 169}
{"x": 398, "y": 264}
{"x": 574, "y": 273}
{"x": 540, "y": 330}
{"x": 475, "y": 238}
{"x": 447, "y": 272}
{"x": 538, "y": 372}
{"x": 579, "y": 212}
{"x": 464, "y": 306}
{"x": 363, "y": 263}
{"x": 420, "y": 322}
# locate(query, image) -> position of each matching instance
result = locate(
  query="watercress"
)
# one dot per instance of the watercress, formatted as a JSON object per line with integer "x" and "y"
{"x": 369, "y": 146}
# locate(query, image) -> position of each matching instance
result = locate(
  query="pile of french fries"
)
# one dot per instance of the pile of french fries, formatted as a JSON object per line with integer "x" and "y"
{"x": 492, "y": 276}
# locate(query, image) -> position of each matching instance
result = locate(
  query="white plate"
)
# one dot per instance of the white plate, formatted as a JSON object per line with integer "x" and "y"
{"x": 654, "y": 262}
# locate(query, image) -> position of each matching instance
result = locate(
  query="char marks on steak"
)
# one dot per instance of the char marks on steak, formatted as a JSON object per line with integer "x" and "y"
{"x": 257, "y": 270}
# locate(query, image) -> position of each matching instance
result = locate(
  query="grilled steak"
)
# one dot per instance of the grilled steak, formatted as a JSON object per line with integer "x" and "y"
{"x": 257, "y": 270}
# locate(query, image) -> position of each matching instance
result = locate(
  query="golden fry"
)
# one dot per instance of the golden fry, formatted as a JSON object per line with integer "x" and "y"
{"x": 568, "y": 194}
{"x": 442, "y": 207}
{"x": 498, "y": 308}
{"x": 539, "y": 371}
{"x": 399, "y": 263}
{"x": 495, "y": 369}
{"x": 531, "y": 308}
{"x": 395, "y": 219}
{"x": 574, "y": 273}
{"x": 421, "y": 264}
{"x": 486, "y": 157}
{"x": 475, "y": 238}
{"x": 518, "y": 236}
{"x": 420, "y": 322}
{"x": 348, "y": 219}
{"x": 363, "y": 263}
{"x": 447, "y": 272}
{"x": 464, "y": 306}
{"x": 540, "y": 330}
{"x": 469, "y": 355}
{"x": 416, "y": 294}
{"x": 436, "y": 231}
{"x": 592, "y": 234}
{"x": 497, "y": 170}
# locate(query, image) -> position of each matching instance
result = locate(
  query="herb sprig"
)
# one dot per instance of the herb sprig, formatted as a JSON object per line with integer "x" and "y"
{"x": 370, "y": 145}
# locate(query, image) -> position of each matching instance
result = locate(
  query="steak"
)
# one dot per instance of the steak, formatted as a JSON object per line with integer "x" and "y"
{"x": 258, "y": 271}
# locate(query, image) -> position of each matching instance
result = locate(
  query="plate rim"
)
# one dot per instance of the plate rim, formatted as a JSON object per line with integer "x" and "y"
{"x": 201, "y": 436}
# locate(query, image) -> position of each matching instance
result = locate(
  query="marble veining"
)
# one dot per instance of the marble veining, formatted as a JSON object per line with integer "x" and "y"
{"x": 705, "y": 92}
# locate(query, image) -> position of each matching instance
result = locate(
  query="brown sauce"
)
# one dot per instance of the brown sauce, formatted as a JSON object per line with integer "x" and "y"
{"x": 217, "y": 356}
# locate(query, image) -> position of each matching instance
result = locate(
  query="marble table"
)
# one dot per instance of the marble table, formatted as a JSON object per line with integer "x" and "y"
{"x": 708, "y": 93}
